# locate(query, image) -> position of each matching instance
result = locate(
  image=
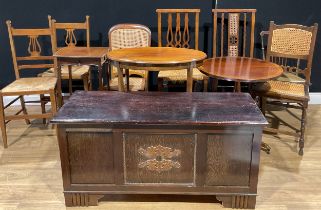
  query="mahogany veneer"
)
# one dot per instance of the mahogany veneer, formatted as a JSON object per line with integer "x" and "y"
{"x": 152, "y": 143}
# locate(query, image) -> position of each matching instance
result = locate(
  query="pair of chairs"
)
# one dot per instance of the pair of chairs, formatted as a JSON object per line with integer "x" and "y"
{"x": 233, "y": 35}
{"x": 38, "y": 58}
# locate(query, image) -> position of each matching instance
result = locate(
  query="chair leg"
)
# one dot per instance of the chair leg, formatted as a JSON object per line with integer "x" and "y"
{"x": 85, "y": 81}
{"x": 43, "y": 107}
{"x": 70, "y": 79}
{"x": 53, "y": 102}
{"x": 89, "y": 80}
{"x": 3, "y": 123}
{"x": 303, "y": 122}
{"x": 24, "y": 109}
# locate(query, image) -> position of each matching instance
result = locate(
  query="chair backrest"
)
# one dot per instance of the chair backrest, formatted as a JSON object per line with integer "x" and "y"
{"x": 175, "y": 36}
{"x": 129, "y": 36}
{"x": 34, "y": 59}
{"x": 236, "y": 34}
{"x": 292, "y": 47}
{"x": 70, "y": 38}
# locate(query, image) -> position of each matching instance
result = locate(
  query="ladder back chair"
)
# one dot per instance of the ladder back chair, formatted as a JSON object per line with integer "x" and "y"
{"x": 233, "y": 34}
{"x": 31, "y": 85}
{"x": 69, "y": 72}
{"x": 129, "y": 36}
{"x": 292, "y": 47}
{"x": 178, "y": 34}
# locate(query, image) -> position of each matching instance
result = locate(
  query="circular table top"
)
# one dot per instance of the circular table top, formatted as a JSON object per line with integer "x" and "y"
{"x": 156, "y": 55}
{"x": 241, "y": 69}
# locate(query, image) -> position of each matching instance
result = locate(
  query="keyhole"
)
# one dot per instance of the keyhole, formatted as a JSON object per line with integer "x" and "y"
{"x": 159, "y": 158}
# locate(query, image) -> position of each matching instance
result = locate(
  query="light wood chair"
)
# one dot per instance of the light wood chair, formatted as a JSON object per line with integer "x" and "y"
{"x": 77, "y": 72}
{"x": 129, "y": 36}
{"x": 233, "y": 34}
{"x": 28, "y": 86}
{"x": 292, "y": 47}
{"x": 176, "y": 36}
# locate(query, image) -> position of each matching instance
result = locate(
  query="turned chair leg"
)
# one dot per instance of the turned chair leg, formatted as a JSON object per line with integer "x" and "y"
{"x": 3, "y": 123}
{"x": 303, "y": 122}
{"x": 43, "y": 107}
{"x": 24, "y": 109}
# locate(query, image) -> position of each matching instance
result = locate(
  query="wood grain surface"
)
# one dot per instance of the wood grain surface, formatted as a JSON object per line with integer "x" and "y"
{"x": 156, "y": 55}
{"x": 160, "y": 108}
{"x": 241, "y": 69}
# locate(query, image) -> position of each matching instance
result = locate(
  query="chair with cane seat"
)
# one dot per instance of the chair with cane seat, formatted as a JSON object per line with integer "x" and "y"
{"x": 292, "y": 47}
{"x": 129, "y": 36}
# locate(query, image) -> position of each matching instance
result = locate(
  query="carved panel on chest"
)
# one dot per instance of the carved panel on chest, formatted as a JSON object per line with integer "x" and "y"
{"x": 159, "y": 158}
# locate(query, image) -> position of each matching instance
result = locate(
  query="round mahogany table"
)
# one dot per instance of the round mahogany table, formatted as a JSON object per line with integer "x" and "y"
{"x": 156, "y": 59}
{"x": 241, "y": 69}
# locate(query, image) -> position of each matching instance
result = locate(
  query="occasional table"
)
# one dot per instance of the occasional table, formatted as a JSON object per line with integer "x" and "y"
{"x": 241, "y": 69}
{"x": 152, "y": 143}
{"x": 80, "y": 56}
{"x": 156, "y": 59}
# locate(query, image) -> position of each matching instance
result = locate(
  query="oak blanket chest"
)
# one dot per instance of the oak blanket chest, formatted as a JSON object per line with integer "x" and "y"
{"x": 160, "y": 143}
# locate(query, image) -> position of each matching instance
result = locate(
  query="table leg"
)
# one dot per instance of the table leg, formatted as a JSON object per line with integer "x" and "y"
{"x": 189, "y": 85}
{"x": 146, "y": 76}
{"x": 70, "y": 79}
{"x": 237, "y": 87}
{"x": 108, "y": 72}
{"x": 120, "y": 77}
{"x": 58, "y": 75}
{"x": 100, "y": 76}
{"x": 127, "y": 79}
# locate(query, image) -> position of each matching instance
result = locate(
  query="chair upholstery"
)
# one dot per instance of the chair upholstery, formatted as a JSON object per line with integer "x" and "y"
{"x": 78, "y": 72}
{"x": 178, "y": 35}
{"x": 129, "y": 36}
{"x": 32, "y": 85}
{"x": 292, "y": 47}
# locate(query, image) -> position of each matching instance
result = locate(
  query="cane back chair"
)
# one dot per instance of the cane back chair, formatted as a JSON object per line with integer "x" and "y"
{"x": 31, "y": 85}
{"x": 292, "y": 47}
{"x": 129, "y": 36}
{"x": 233, "y": 34}
{"x": 179, "y": 37}
{"x": 77, "y": 72}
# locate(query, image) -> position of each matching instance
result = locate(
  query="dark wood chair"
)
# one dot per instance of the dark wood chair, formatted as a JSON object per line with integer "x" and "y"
{"x": 76, "y": 72}
{"x": 233, "y": 34}
{"x": 178, "y": 35}
{"x": 129, "y": 36}
{"x": 28, "y": 86}
{"x": 291, "y": 46}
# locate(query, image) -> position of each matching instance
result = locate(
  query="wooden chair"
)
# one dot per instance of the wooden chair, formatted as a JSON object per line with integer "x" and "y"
{"x": 233, "y": 34}
{"x": 28, "y": 86}
{"x": 77, "y": 72}
{"x": 292, "y": 47}
{"x": 129, "y": 36}
{"x": 176, "y": 36}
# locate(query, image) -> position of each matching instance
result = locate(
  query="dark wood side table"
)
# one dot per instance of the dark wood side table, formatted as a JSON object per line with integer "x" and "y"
{"x": 156, "y": 59}
{"x": 80, "y": 56}
{"x": 241, "y": 69}
{"x": 152, "y": 143}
